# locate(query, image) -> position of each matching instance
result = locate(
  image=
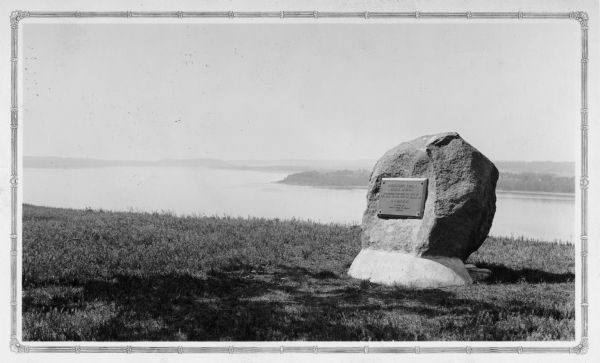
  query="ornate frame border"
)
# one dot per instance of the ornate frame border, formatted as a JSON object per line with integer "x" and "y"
{"x": 582, "y": 17}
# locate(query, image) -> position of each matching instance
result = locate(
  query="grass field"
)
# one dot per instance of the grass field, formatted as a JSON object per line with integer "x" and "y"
{"x": 112, "y": 276}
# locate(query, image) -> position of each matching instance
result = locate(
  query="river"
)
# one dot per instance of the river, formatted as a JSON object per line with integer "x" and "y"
{"x": 205, "y": 191}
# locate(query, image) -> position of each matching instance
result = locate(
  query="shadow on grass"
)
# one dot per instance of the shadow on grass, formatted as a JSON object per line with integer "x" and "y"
{"x": 503, "y": 274}
{"x": 290, "y": 303}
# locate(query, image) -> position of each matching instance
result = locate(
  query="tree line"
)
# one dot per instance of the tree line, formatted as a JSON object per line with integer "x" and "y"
{"x": 525, "y": 181}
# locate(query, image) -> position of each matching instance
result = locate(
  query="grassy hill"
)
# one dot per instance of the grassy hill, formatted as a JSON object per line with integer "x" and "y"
{"x": 120, "y": 276}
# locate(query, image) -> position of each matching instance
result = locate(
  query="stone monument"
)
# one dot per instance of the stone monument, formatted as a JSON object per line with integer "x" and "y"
{"x": 430, "y": 204}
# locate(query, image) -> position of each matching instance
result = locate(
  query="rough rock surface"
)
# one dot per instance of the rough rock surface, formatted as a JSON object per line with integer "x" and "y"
{"x": 460, "y": 205}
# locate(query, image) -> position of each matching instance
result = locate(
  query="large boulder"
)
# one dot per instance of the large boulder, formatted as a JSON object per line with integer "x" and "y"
{"x": 459, "y": 209}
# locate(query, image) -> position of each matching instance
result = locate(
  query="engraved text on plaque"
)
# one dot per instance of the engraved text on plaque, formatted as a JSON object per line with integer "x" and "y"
{"x": 402, "y": 198}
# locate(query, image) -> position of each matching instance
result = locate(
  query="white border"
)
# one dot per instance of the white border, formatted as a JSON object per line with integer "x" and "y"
{"x": 582, "y": 207}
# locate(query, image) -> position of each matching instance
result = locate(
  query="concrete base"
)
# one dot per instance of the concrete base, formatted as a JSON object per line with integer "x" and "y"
{"x": 401, "y": 269}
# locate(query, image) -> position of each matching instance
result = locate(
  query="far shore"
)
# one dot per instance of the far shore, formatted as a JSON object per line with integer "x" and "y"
{"x": 499, "y": 191}
{"x": 525, "y": 192}
{"x": 530, "y": 183}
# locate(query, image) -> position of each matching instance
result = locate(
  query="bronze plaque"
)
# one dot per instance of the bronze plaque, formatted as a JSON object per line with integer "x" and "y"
{"x": 402, "y": 198}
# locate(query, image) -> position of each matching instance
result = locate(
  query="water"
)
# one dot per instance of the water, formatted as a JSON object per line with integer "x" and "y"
{"x": 203, "y": 191}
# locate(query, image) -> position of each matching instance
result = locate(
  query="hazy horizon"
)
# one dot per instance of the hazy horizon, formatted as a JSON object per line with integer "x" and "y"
{"x": 282, "y": 159}
{"x": 298, "y": 91}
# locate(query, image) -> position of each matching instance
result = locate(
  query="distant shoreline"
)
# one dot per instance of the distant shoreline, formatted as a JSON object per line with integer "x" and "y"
{"x": 542, "y": 179}
{"x": 559, "y": 168}
{"x": 500, "y": 191}
{"x": 520, "y": 183}
{"x": 524, "y": 192}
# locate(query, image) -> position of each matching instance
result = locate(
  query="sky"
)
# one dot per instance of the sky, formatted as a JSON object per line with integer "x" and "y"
{"x": 298, "y": 91}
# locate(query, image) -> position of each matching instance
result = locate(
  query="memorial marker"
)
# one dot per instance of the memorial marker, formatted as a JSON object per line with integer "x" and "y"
{"x": 402, "y": 198}
{"x": 419, "y": 235}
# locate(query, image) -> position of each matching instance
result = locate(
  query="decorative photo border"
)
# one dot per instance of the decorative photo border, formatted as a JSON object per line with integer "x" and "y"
{"x": 581, "y": 348}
